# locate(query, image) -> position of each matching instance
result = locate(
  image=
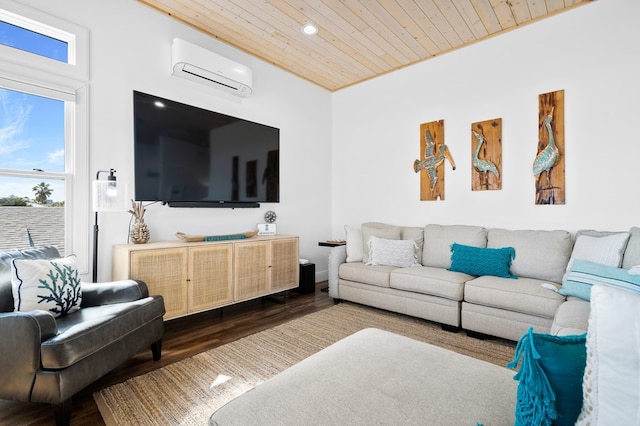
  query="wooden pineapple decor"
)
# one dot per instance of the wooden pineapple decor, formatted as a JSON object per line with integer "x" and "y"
{"x": 433, "y": 152}
{"x": 486, "y": 155}
{"x": 139, "y": 233}
{"x": 548, "y": 167}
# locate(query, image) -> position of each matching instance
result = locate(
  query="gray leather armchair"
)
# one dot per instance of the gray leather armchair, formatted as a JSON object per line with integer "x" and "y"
{"x": 48, "y": 359}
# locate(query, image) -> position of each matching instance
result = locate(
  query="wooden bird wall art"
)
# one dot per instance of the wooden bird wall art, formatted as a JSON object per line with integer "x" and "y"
{"x": 433, "y": 152}
{"x": 486, "y": 155}
{"x": 548, "y": 167}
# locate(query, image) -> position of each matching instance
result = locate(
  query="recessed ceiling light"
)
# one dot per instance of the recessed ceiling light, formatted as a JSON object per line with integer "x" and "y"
{"x": 309, "y": 29}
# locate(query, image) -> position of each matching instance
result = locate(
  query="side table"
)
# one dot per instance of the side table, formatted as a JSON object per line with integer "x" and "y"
{"x": 331, "y": 243}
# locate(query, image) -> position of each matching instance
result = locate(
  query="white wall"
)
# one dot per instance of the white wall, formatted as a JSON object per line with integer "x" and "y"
{"x": 130, "y": 46}
{"x": 590, "y": 52}
{"x": 347, "y": 157}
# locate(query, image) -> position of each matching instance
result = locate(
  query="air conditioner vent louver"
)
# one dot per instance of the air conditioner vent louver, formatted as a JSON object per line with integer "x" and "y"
{"x": 197, "y": 64}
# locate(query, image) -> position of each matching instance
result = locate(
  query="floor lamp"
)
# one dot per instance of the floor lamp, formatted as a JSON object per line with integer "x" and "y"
{"x": 108, "y": 196}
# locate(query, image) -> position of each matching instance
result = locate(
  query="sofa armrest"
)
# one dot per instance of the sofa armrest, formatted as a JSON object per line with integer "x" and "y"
{"x": 109, "y": 293}
{"x": 21, "y": 334}
{"x": 337, "y": 256}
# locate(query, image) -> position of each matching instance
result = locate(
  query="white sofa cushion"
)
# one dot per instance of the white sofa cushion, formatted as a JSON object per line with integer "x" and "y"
{"x": 632, "y": 252}
{"x": 361, "y": 273}
{"x": 432, "y": 281}
{"x": 571, "y": 317}
{"x": 380, "y": 230}
{"x": 542, "y": 255}
{"x": 416, "y": 234}
{"x": 438, "y": 240}
{"x": 524, "y": 295}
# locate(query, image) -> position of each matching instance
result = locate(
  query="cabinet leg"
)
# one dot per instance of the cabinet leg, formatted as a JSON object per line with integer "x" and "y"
{"x": 281, "y": 298}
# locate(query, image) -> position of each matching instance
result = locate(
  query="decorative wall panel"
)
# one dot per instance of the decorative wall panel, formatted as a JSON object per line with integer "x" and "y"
{"x": 433, "y": 153}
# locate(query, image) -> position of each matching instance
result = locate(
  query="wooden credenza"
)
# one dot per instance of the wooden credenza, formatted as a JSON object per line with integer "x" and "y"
{"x": 195, "y": 277}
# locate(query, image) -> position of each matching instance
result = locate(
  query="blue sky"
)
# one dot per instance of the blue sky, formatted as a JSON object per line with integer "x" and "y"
{"x": 31, "y": 127}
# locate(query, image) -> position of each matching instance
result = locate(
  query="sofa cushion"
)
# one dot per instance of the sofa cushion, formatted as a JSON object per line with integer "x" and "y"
{"x": 416, "y": 234}
{"x": 400, "y": 253}
{"x": 482, "y": 261}
{"x": 432, "y": 281}
{"x": 361, "y": 273}
{"x": 572, "y": 317}
{"x": 631, "y": 256}
{"x": 380, "y": 230}
{"x": 46, "y": 284}
{"x": 525, "y": 295}
{"x": 542, "y": 255}
{"x": 438, "y": 240}
{"x": 91, "y": 329}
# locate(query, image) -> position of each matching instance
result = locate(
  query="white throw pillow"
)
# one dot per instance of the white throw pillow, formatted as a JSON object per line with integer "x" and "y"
{"x": 400, "y": 253}
{"x": 355, "y": 249}
{"x": 50, "y": 285}
{"x": 607, "y": 250}
{"x": 611, "y": 395}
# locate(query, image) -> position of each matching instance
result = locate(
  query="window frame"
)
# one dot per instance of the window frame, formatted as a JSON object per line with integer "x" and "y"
{"x": 34, "y": 74}
{"x": 19, "y": 65}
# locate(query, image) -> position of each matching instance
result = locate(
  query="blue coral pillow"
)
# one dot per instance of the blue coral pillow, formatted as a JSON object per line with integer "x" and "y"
{"x": 480, "y": 261}
{"x": 50, "y": 285}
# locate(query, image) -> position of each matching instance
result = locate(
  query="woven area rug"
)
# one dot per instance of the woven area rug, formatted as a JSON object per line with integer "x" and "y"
{"x": 188, "y": 391}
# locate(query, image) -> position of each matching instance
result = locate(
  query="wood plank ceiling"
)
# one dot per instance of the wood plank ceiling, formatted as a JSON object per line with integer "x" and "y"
{"x": 357, "y": 39}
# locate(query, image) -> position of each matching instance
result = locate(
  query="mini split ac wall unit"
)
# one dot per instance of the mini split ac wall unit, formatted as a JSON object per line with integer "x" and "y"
{"x": 197, "y": 64}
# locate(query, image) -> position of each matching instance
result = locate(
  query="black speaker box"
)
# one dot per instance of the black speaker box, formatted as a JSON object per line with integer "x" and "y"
{"x": 307, "y": 278}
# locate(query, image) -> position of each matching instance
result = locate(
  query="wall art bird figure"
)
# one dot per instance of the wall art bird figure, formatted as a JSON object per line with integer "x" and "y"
{"x": 483, "y": 166}
{"x": 432, "y": 161}
{"x": 547, "y": 158}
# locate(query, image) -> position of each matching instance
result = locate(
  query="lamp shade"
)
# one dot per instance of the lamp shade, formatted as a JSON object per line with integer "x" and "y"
{"x": 109, "y": 196}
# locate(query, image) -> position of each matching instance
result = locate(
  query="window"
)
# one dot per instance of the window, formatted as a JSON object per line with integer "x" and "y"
{"x": 31, "y": 41}
{"x": 43, "y": 132}
{"x": 32, "y": 143}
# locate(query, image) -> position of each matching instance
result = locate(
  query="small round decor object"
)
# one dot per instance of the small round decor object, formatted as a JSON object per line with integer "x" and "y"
{"x": 270, "y": 216}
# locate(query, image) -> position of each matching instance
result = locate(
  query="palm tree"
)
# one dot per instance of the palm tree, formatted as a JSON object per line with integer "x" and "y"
{"x": 42, "y": 191}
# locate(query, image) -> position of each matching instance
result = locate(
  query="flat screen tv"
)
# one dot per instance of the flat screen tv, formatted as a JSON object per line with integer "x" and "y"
{"x": 186, "y": 156}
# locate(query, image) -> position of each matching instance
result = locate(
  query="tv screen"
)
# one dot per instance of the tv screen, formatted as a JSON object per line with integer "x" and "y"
{"x": 193, "y": 157}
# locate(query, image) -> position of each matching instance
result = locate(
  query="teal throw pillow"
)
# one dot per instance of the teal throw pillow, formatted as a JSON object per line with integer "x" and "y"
{"x": 480, "y": 261}
{"x": 584, "y": 275}
{"x": 550, "y": 376}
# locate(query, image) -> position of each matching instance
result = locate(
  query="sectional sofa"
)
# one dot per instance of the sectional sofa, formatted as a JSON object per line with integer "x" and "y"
{"x": 492, "y": 281}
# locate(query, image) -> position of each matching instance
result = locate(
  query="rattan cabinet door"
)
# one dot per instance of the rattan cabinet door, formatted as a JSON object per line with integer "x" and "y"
{"x": 165, "y": 273}
{"x": 284, "y": 264}
{"x": 251, "y": 269}
{"x": 210, "y": 276}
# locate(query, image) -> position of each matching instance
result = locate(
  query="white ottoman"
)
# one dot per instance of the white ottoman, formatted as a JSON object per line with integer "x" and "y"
{"x": 381, "y": 378}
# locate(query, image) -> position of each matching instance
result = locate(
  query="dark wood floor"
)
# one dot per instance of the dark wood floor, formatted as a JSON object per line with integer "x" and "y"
{"x": 183, "y": 337}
